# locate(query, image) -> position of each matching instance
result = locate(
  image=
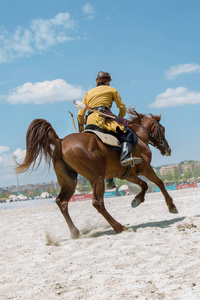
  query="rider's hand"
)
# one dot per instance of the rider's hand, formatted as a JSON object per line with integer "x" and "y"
{"x": 81, "y": 127}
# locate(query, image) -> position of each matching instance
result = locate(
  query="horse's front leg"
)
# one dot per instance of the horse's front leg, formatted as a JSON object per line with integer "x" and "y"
{"x": 139, "y": 198}
{"x": 98, "y": 192}
{"x": 151, "y": 175}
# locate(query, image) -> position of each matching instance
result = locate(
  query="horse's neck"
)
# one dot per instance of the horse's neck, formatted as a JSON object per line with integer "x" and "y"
{"x": 144, "y": 129}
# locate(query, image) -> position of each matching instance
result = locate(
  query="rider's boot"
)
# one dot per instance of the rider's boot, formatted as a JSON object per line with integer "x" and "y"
{"x": 110, "y": 184}
{"x": 126, "y": 157}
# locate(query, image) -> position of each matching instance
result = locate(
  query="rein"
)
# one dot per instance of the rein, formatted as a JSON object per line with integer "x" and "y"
{"x": 152, "y": 136}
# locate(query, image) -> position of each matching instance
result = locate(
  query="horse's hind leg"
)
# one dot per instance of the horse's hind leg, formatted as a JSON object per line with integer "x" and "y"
{"x": 98, "y": 203}
{"x": 62, "y": 202}
{"x": 68, "y": 181}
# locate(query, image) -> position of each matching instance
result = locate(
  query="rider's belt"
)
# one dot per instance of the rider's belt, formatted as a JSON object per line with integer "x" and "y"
{"x": 100, "y": 108}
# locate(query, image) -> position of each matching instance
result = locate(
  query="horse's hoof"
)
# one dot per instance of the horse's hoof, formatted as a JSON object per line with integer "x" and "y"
{"x": 124, "y": 228}
{"x": 75, "y": 234}
{"x": 135, "y": 202}
{"x": 120, "y": 229}
{"x": 173, "y": 210}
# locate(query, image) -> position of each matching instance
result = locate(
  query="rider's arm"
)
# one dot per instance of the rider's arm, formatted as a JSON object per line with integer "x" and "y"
{"x": 81, "y": 114}
{"x": 80, "y": 127}
{"x": 120, "y": 104}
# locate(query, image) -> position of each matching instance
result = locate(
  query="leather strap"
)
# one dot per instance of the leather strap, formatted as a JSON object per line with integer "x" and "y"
{"x": 126, "y": 173}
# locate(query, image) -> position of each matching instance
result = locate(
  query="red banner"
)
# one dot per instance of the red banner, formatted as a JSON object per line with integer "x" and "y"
{"x": 81, "y": 197}
{"x": 186, "y": 186}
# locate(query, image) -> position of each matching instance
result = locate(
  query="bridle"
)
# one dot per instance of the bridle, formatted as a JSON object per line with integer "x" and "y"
{"x": 160, "y": 141}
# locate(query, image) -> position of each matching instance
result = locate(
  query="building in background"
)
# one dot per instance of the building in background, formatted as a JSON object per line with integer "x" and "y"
{"x": 170, "y": 169}
{"x": 179, "y": 168}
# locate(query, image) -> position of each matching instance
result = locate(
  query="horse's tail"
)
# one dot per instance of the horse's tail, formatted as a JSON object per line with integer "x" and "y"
{"x": 41, "y": 140}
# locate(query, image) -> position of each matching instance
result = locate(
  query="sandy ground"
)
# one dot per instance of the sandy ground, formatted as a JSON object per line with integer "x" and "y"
{"x": 157, "y": 258}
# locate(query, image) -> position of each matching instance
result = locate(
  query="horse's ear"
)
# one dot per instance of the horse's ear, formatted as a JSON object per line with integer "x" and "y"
{"x": 157, "y": 118}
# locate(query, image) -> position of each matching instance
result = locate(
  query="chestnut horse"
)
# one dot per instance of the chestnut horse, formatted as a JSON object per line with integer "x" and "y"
{"x": 83, "y": 153}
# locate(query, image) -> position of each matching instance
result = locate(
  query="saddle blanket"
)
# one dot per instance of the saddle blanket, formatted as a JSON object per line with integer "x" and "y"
{"x": 106, "y": 138}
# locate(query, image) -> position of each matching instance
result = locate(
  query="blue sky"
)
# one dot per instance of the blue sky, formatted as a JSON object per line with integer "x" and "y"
{"x": 51, "y": 52}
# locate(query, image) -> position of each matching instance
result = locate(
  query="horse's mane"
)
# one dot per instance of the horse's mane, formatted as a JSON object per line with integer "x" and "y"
{"x": 137, "y": 118}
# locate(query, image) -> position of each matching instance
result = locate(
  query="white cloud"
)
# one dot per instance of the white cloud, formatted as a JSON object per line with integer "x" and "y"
{"x": 176, "y": 97}
{"x": 88, "y": 9}
{"x": 174, "y": 71}
{"x": 7, "y": 164}
{"x": 7, "y": 157}
{"x": 7, "y": 172}
{"x": 4, "y": 149}
{"x": 39, "y": 36}
{"x": 19, "y": 155}
{"x": 44, "y": 92}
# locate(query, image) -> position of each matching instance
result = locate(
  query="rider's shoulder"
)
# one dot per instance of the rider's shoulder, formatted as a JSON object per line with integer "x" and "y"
{"x": 113, "y": 90}
{"x": 109, "y": 88}
{"x": 102, "y": 88}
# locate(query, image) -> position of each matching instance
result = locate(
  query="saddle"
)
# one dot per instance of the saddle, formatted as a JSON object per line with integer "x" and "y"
{"x": 109, "y": 139}
{"x": 105, "y": 137}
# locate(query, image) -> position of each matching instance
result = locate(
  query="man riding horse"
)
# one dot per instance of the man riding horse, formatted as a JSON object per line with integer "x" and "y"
{"x": 100, "y": 99}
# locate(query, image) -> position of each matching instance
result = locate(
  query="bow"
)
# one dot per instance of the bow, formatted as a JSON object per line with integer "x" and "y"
{"x": 73, "y": 121}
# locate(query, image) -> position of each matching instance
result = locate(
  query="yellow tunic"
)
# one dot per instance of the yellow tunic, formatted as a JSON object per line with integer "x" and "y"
{"x": 99, "y": 96}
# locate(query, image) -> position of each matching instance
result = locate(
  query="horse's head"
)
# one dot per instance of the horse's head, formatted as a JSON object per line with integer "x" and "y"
{"x": 154, "y": 131}
{"x": 157, "y": 136}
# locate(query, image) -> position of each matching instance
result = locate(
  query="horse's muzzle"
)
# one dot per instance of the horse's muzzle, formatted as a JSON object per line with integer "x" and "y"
{"x": 166, "y": 151}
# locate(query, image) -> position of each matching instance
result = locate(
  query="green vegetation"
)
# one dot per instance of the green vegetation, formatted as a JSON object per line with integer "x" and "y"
{"x": 4, "y": 195}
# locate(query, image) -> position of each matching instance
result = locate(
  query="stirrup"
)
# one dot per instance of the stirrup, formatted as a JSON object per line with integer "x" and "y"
{"x": 132, "y": 161}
